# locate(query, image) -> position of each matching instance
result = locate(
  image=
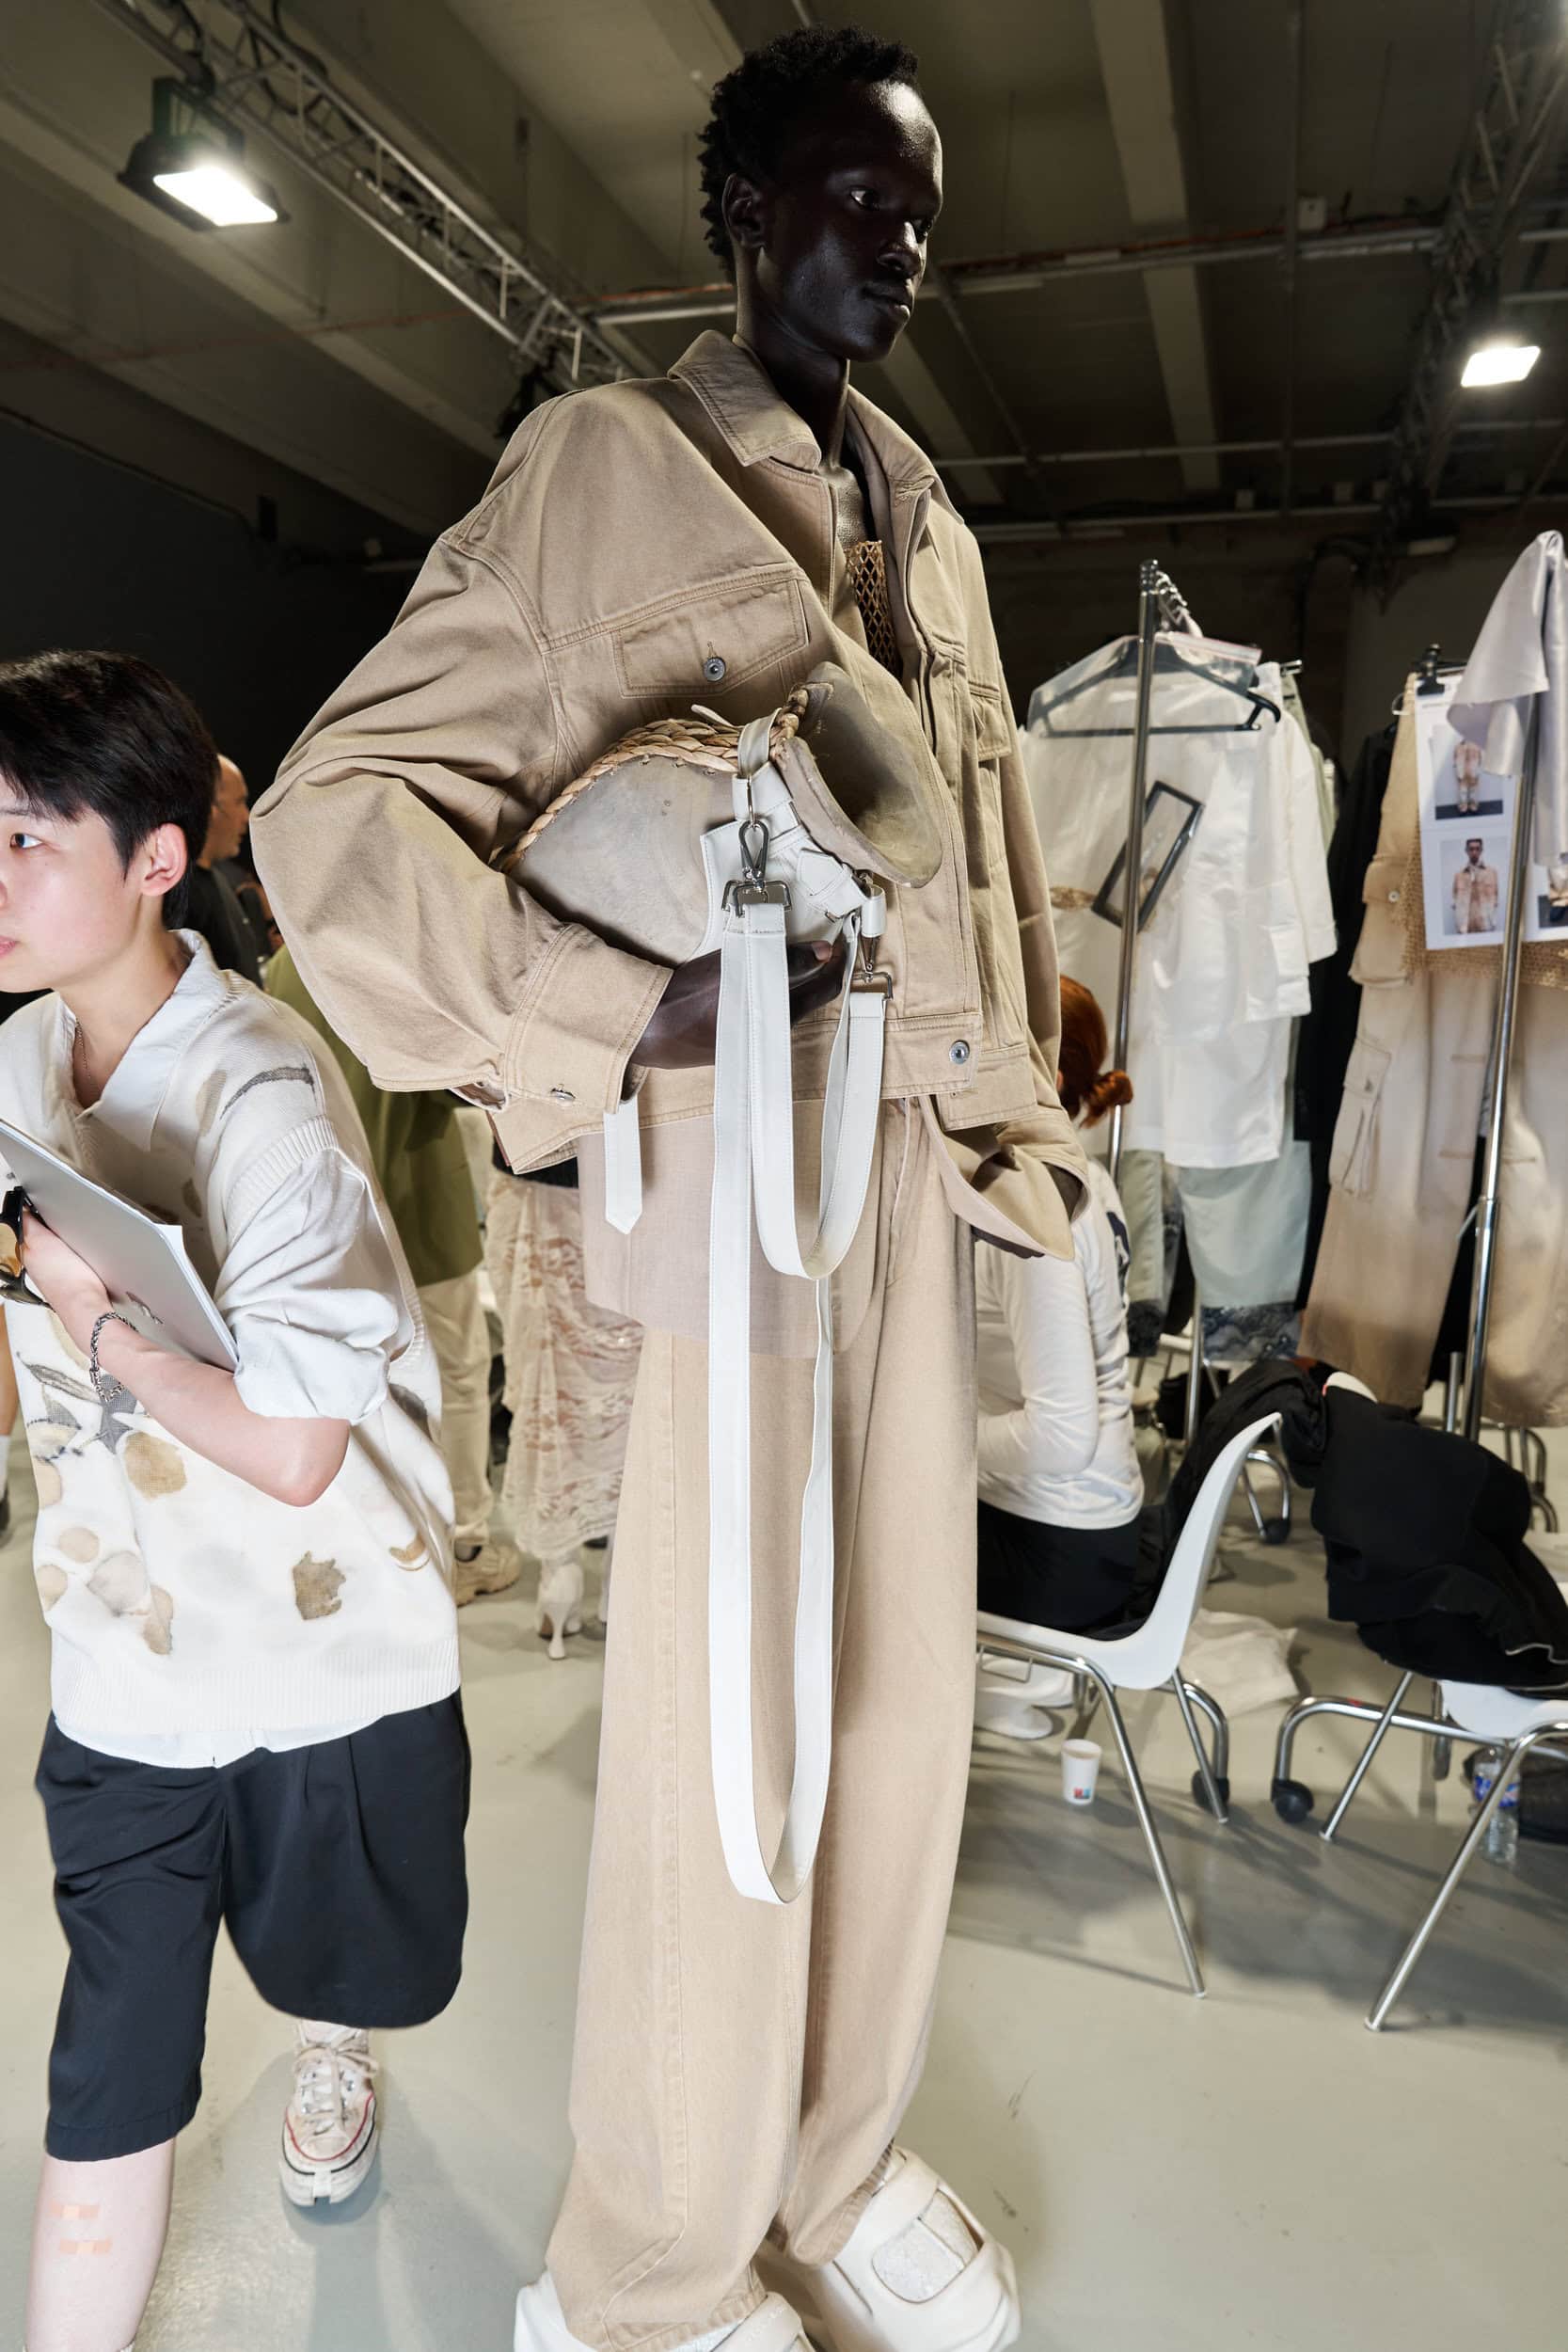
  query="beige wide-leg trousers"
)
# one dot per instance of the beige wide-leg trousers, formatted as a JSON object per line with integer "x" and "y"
{"x": 740, "y": 2068}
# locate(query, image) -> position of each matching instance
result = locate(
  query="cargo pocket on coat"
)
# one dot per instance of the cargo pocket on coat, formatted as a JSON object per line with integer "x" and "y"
{"x": 1353, "y": 1159}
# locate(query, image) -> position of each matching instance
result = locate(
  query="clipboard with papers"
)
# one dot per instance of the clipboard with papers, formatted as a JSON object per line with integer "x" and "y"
{"x": 141, "y": 1260}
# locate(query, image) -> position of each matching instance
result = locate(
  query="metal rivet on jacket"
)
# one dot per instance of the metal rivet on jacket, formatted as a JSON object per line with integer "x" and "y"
{"x": 958, "y": 1050}
{"x": 713, "y": 668}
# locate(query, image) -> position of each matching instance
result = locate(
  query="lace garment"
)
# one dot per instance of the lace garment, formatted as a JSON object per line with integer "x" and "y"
{"x": 570, "y": 1370}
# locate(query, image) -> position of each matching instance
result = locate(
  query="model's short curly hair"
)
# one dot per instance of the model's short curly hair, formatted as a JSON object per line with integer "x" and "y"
{"x": 756, "y": 108}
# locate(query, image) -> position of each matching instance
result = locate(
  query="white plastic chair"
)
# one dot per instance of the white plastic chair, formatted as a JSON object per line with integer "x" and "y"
{"x": 1476, "y": 1710}
{"x": 1150, "y": 1659}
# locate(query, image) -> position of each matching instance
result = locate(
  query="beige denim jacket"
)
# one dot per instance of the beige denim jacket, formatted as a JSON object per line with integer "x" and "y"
{"x": 644, "y": 546}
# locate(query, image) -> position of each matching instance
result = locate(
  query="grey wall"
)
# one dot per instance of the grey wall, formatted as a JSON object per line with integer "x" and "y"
{"x": 257, "y": 633}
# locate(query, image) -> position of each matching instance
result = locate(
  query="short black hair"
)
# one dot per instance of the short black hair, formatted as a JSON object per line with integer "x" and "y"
{"x": 106, "y": 735}
{"x": 756, "y": 108}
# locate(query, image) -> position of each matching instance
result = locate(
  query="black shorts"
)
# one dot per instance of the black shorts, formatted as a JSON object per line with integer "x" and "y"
{"x": 338, "y": 1868}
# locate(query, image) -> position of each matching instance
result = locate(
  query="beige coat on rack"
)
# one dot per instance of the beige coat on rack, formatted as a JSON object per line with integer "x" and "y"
{"x": 1402, "y": 1163}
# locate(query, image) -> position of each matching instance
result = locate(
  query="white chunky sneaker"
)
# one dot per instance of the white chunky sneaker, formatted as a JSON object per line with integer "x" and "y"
{"x": 490, "y": 1569}
{"x": 919, "y": 2275}
{"x": 540, "y": 2327}
{"x": 333, "y": 2125}
{"x": 1013, "y": 1697}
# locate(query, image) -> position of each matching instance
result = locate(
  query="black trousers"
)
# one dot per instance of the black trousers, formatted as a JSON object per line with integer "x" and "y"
{"x": 337, "y": 1870}
{"x": 1078, "y": 1578}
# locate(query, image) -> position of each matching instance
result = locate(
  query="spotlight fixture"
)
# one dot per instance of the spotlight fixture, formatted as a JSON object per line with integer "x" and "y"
{"x": 191, "y": 164}
{"x": 1498, "y": 362}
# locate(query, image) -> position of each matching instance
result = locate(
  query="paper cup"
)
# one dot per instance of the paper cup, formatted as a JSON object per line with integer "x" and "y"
{"x": 1080, "y": 1770}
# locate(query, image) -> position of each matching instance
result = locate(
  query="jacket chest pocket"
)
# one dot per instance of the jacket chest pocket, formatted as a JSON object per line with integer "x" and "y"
{"x": 985, "y": 739}
{"x": 749, "y": 630}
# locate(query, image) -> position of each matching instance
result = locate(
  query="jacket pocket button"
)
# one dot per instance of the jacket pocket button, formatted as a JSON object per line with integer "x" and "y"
{"x": 1393, "y": 897}
{"x": 958, "y": 1050}
{"x": 562, "y": 1094}
{"x": 714, "y": 668}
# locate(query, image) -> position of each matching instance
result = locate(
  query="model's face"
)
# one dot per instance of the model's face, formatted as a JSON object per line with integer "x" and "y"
{"x": 230, "y": 817}
{"x": 836, "y": 248}
{"x": 1472, "y": 851}
{"x": 67, "y": 908}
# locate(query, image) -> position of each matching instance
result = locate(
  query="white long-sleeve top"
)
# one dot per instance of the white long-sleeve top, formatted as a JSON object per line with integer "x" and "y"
{"x": 1056, "y": 1434}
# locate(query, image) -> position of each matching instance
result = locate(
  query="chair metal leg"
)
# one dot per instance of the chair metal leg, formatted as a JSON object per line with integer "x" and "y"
{"x": 1218, "y": 1723}
{"x": 1152, "y": 1838}
{"x": 1442, "y": 1755}
{"x": 1212, "y": 1795}
{"x": 1460, "y": 1863}
{"x": 1348, "y": 1792}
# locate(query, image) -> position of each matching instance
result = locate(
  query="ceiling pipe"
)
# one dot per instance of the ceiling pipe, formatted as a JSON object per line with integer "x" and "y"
{"x": 1020, "y": 273}
{"x": 1151, "y": 451}
{"x": 1087, "y": 527}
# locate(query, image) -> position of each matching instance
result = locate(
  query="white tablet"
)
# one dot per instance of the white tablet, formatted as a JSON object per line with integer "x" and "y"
{"x": 141, "y": 1261}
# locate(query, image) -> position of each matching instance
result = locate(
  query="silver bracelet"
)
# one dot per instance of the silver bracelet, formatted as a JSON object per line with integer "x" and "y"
{"x": 105, "y": 1387}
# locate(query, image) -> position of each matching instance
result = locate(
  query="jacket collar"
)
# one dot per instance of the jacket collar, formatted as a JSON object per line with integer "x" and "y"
{"x": 756, "y": 421}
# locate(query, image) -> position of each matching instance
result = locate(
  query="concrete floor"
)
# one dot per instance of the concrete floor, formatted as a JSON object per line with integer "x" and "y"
{"x": 1253, "y": 2171}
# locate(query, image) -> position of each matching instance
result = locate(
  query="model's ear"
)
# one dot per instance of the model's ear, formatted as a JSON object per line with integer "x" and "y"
{"x": 745, "y": 209}
{"x": 164, "y": 860}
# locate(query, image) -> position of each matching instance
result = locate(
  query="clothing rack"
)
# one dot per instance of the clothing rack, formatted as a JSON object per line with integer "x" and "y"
{"x": 1502, "y": 1052}
{"x": 1159, "y": 601}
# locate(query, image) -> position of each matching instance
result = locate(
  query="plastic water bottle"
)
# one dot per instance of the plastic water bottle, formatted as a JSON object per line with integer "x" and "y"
{"x": 1501, "y": 1841}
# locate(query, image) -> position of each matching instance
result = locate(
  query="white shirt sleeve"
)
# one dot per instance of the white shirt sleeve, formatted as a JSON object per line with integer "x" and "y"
{"x": 1307, "y": 856}
{"x": 312, "y": 1297}
{"x": 1054, "y": 1431}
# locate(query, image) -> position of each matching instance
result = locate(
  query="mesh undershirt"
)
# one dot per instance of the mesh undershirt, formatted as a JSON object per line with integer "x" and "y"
{"x": 867, "y": 563}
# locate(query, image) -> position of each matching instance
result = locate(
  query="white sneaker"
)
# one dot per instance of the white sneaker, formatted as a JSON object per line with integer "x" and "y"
{"x": 540, "y": 2327}
{"x": 1013, "y": 1696}
{"x": 492, "y": 1567}
{"x": 919, "y": 2275}
{"x": 333, "y": 2125}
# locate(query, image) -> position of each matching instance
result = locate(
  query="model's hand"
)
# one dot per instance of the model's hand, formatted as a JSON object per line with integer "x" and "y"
{"x": 67, "y": 1282}
{"x": 680, "y": 1036}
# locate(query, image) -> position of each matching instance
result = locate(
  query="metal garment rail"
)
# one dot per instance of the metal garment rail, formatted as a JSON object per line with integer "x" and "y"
{"x": 1158, "y": 600}
{"x": 1502, "y": 1055}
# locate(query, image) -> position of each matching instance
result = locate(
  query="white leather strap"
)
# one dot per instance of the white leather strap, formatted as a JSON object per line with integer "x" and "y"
{"x": 753, "y": 1111}
{"x": 622, "y": 1166}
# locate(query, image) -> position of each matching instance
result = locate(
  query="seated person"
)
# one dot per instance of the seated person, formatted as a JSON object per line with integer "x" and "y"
{"x": 1061, "y": 1493}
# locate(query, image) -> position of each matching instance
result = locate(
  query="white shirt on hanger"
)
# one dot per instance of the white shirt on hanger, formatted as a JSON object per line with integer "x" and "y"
{"x": 1222, "y": 966}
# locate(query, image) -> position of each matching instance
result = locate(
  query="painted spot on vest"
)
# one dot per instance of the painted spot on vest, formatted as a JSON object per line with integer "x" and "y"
{"x": 292, "y": 1073}
{"x": 152, "y": 1465}
{"x": 208, "y": 1100}
{"x": 416, "y": 1410}
{"x": 412, "y": 1555}
{"x": 317, "y": 1585}
{"x": 51, "y": 1580}
{"x": 158, "y": 1628}
{"x": 79, "y": 1544}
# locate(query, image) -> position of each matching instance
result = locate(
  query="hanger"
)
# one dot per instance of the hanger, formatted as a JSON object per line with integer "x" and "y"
{"x": 1168, "y": 661}
{"x": 1432, "y": 672}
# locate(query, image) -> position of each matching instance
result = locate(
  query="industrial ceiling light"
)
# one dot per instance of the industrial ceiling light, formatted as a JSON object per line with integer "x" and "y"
{"x": 1499, "y": 362}
{"x": 191, "y": 164}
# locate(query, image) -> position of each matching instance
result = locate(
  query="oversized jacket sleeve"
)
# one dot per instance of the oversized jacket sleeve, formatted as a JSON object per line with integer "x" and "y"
{"x": 1029, "y": 1168}
{"x": 374, "y": 844}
